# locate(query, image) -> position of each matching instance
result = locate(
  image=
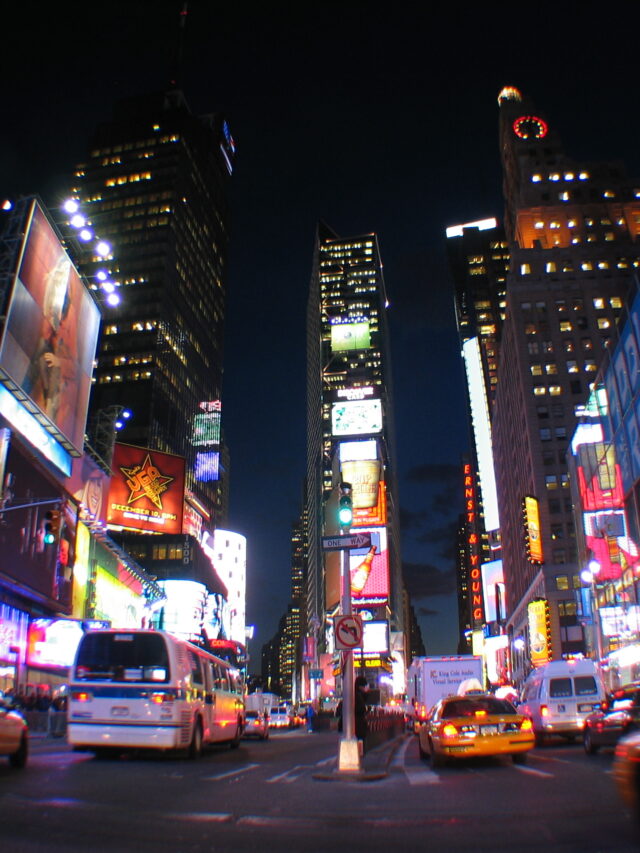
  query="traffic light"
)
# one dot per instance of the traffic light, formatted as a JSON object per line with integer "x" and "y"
{"x": 345, "y": 505}
{"x": 51, "y": 526}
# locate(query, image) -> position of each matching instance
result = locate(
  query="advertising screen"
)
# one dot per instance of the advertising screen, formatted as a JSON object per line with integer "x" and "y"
{"x": 356, "y": 417}
{"x": 374, "y": 515}
{"x": 350, "y": 336}
{"x": 206, "y": 428}
{"x": 50, "y": 335}
{"x": 375, "y": 638}
{"x": 207, "y": 466}
{"x": 147, "y": 489}
{"x": 369, "y": 568}
{"x": 53, "y": 642}
{"x": 539, "y": 639}
{"x": 493, "y": 590}
{"x": 532, "y": 530}
{"x": 364, "y": 476}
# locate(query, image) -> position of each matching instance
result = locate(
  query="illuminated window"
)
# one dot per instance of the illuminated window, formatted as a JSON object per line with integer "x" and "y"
{"x": 555, "y": 390}
{"x": 564, "y": 481}
{"x": 530, "y": 329}
{"x": 547, "y": 347}
{"x": 572, "y": 223}
{"x": 598, "y": 303}
{"x": 566, "y": 326}
{"x": 539, "y": 390}
{"x": 554, "y": 224}
{"x": 583, "y": 176}
{"x": 568, "y": 345}
{"x": 609, "y": 194}
{"x": 551, "y": 369}
{"x": 536, "y": 178}
{"x": 603, "y": 265}
{"x": 586, "y": 265}
{"x": 604, "y": 323}
{"x": 561, "y": 305}
{"x": 557, "y": 532}
{"x": 586, "y": 343}
{"x": 562, "y": 582}
{"x": 551, "y": 481}
{"x": 572, "y": 367}
{"x": 525, "y": 269}
{"x": 615, "y": 302}
{"x": 536, "y": 369}
{"x": 551, "y": 266}
{"x": 609, "y": 236}
{"x": 590, "y": 366}
{"x": 539, "y": 224}
{"x": 567, "y": 266}
{"x": 564, "y": 196}
{"x": 569, "y": 176}
{"x": 554, "y": 176}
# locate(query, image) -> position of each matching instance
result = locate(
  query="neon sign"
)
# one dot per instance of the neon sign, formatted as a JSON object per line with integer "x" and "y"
{"x": 473, "y": 549}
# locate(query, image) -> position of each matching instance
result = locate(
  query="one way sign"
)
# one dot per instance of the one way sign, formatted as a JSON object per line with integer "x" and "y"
{"x": 337, "y": 543}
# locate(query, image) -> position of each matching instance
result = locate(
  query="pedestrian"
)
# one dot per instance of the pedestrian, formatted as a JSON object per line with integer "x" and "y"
{"x": 310, "y": 713}
{"x": 361, "y": 687}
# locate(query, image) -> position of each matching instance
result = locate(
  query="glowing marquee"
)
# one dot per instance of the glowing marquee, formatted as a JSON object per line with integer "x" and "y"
{"x": 473, "y": 546}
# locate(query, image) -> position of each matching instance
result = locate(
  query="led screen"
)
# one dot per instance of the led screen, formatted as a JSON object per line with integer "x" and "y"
{"x": 50, "y": 335}
{"x": 375, "y": 638}
{"x": 356, "y": 417}
{"x": 53, "y": 642}
{"x": 206, "y": 428}
{"x": 350, "y": 336}
{"x": 369, "y": 569}
{"x": 147, "y": 489}
{"x": 532, "y": 522}
{"x": 364, "y": 476}
{"x": 539, "y": 639}
{"x": 207, "y": 466}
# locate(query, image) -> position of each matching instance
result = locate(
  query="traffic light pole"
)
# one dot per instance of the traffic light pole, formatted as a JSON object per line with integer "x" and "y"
{"x": 349, "y": 757}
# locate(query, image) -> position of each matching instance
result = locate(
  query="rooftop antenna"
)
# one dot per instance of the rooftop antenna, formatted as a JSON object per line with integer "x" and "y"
{"x": 177, "y": 65}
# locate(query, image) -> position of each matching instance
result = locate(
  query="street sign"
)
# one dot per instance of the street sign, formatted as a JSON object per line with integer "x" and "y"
{"x": 338, "y": 543}
{"x": 315, "y": 673}
{"x": 348, "y": 632}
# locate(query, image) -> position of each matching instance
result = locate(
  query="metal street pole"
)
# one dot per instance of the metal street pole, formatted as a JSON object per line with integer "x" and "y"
{"x": 349, "y": 758}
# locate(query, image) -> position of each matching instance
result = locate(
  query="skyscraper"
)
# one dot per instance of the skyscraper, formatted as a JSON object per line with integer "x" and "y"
{"x": 350, "y": 430}
{"x": 572, "y": 231}
{"x": 155, "y": 186}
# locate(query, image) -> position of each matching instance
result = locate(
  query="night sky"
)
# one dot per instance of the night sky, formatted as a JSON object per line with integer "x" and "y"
{"x": 374, "y": 118}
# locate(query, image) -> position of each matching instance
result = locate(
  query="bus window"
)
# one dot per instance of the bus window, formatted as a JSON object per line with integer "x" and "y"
{"x": 196, "y": 671}
{"x": 122, "y": 657}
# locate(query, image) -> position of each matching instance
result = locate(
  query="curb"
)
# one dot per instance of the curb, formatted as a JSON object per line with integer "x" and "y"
{"x": 387, "y": 750}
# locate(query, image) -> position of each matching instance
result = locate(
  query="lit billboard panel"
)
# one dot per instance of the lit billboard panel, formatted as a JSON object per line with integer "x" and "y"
{"x": 369, "y": 569}
{"x": 356, "y": 417}
{"x": 350, "y": 336}
{"x": 206, "y": 429}
{"x": 50, "y": 335}
{"x": 364, "y": 476}
{"x": 375, "y": 515}
{"x": 533, "y": 538}
{"x": 147, "y": 489}
{"x": 493, "y": 589}
{"x": 207, "y": 466}
{"x": 350, "y": 451}
{"x": 539, "y": 632}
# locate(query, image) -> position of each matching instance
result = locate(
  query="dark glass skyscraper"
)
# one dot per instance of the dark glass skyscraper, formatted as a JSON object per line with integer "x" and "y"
{"x": 155, "y": 186}
{"x": 350, "y": 425}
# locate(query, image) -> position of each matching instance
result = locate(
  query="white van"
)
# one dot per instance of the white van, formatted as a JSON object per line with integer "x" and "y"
{"x": 559, "y": 695}
{"x": 148, "y": 689}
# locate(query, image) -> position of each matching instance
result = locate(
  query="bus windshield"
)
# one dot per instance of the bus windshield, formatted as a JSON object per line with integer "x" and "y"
{"x": 122, "y": 657}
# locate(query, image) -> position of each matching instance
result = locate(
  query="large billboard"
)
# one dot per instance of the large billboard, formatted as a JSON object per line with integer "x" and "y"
{"x": 356, "y": 417}
{"x": 350, "y": 336}
{"x": 369, "y": 569}
{"x": 49, "y": 340}
{"x": 147, "y": 490}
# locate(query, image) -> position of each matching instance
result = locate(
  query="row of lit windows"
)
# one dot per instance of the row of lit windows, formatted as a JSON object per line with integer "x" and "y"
{"x": 551, "y": 481}
{"x": 599, "y": 303}
{"x": 141, "y": 143}
{"x": 546, "y": 347}
{"x": 138, "y": 326}
{"x": 131, "y": 376}
{"x": 566, "y": 265}
{"x": 556, "y": 176}
{"x": 572, "y": 367}
{"x": 573, "y": 223}
{"x": 128, "y": 179}
{"x": 132, "y": 359}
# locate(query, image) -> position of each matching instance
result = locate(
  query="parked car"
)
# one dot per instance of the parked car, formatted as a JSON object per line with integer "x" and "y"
{"x": 626, "y": 771}
{"x": 14, "y": 734}
{"x": 279, "y": 718}
{"x": 476, "y": 724}
{"x": 617, "y": 716}
{"x": 256, "y": 725}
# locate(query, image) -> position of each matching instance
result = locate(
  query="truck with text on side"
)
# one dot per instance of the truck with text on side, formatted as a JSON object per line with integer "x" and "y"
{"x": 431, "y": 678}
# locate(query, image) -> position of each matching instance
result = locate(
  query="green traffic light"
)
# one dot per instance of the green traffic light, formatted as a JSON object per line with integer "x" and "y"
{"x": 345, "y": 515}
{"x": 49, "y": 538}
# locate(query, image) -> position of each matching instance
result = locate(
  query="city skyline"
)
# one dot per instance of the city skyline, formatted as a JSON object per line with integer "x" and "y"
{"x": 368, "y": 142}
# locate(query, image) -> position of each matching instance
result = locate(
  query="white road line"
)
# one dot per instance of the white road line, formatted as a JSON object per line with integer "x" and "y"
{"x": 415, "y": 776}
{"x": 290, "y": 775}
{"x": 326, "y": 761}
{"x": 212, "y": 817}
{"x": 230, "y": 773}
{"x": 532, "y": 771}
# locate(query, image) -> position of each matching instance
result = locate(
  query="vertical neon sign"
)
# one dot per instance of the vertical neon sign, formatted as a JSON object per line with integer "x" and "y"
{"x": 473, "y": 549}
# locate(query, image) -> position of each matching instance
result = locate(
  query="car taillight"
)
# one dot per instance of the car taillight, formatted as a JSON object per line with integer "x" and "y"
{"x": 526, "y": 726}
{"x": 544, "y": 711}
{"x": 449, "y": 730}
{"x": 160, "y": 698}
{"x": 81, "y": 696}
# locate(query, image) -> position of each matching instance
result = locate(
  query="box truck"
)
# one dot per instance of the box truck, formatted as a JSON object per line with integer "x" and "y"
{"x": 431, "y": 678}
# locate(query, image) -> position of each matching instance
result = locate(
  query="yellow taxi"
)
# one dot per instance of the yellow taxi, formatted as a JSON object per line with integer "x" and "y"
{"x": 475, "y": 724}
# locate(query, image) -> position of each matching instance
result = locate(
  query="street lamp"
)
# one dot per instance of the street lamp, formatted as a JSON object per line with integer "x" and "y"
{"x": 588, "y": 576}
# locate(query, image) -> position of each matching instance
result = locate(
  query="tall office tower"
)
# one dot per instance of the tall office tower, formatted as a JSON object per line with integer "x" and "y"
{"x": 155, "y": 187}
{"x": 479, "y": 261}
{"x": 350, "y": 433}
{"x": 572, "y": 230}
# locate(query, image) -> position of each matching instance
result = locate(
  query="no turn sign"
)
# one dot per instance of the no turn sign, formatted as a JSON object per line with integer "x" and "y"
{"x": 348, "y": 632}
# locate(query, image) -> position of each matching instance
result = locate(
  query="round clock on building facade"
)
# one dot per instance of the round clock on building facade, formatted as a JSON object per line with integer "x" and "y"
{"x": 530, "y": 127}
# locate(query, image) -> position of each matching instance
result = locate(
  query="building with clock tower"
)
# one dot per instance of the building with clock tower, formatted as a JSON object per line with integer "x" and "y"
{"x": 572, "y": 231}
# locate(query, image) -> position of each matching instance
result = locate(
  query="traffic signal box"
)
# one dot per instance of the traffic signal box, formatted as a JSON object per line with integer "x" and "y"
{"x": 345, "y": 505}
{"x": 52, "y": 519}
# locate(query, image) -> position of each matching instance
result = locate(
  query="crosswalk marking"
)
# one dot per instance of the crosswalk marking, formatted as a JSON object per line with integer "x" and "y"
{"x": 522, "y": 768}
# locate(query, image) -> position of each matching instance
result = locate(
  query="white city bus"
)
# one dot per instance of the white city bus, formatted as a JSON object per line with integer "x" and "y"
{"x": 148, "y": 689}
